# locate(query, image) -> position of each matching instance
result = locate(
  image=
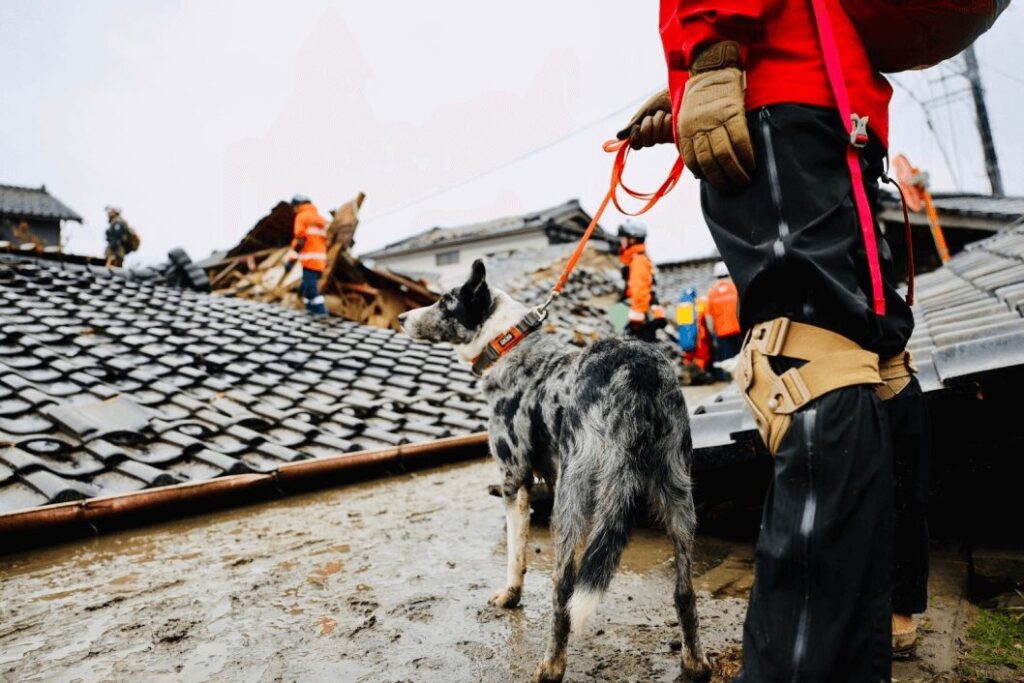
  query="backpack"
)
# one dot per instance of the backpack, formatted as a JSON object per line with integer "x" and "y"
{"x": 132, "y": 241}
{"x": 912, "y": 34}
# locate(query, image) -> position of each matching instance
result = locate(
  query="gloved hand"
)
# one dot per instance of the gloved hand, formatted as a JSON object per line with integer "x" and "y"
{"x": 652, "y": 123}
{"x": 712, "y": 134}
{"x": 288, "y": 265}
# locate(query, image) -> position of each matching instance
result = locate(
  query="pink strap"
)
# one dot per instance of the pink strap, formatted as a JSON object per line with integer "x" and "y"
{"x": 855, "y": 128}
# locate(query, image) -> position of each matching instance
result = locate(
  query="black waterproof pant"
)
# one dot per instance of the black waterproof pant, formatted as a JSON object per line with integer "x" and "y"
{"x": 821, "y": 601}
{"x": 820, "y": 606}
{"x": 911, "y": 439}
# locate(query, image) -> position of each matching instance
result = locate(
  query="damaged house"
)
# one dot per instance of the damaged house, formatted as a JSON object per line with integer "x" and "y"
{"x": 254, "y": 269}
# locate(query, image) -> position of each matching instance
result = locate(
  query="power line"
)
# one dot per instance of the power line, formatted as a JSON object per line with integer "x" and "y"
{"x": 1002, "y": 73}
{"x": 522, "y": 157}
{"x": 931, "y": 127}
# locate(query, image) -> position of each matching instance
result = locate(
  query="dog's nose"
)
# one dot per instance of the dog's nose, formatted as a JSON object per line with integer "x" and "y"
{"x": 402, "y": 317}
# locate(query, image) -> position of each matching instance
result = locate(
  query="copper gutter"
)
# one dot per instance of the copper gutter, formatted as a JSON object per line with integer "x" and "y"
{"x": 32, "y": 526}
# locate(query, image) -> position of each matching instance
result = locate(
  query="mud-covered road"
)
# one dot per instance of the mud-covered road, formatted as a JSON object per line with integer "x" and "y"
{"x": 384, "y": 581}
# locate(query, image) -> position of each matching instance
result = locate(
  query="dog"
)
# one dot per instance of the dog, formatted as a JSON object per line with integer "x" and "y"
{"x": 605, "y": 427}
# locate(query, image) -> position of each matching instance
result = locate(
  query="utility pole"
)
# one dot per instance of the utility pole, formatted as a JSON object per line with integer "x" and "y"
{"x": 995, "y": 179}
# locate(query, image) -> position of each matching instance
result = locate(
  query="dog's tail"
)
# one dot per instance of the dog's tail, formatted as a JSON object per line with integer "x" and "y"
{"x": 613, "y": 521}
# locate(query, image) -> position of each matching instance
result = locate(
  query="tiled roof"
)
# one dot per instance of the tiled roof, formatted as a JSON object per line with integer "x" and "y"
{"x": 980, "y": 205}
{"x": 954, "y": 208}
{"x": 969, "y": 325}
{"x": 33, "y": 202}
{"x": 674, "y": 277}
{"x": 568, "y": 216}
{"x": 110, "y": 385}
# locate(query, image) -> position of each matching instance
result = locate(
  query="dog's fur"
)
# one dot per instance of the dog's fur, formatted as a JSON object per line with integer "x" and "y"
{"x": 606, "y": 427}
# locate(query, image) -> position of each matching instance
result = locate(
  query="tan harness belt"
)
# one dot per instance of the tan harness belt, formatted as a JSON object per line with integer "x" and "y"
{"x": 896, "y": 373}
{"x": 833, "y": 362}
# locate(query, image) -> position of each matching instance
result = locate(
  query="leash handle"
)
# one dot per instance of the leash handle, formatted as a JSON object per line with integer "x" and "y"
{"x": 621, "y": 150}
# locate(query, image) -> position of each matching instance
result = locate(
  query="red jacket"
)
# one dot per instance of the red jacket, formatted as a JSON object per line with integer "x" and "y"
{"x": 782, "y": 54}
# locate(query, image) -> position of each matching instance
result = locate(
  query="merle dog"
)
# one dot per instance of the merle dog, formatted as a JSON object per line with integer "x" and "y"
{"x": 606, "y": 427}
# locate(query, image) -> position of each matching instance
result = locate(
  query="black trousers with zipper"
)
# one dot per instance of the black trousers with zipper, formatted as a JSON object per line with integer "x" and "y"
{"x": 821, "y": 602}
{"x": 912, "y": 447}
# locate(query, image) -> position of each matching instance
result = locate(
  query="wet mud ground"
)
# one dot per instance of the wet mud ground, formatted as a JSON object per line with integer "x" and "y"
{"x": 382, "y": 581}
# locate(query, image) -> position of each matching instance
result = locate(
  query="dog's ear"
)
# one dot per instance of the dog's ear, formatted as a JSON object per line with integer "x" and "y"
{"x": 475, "y": 294}
{"x": 478, "y": 274}
{"x": 477, "y": 282}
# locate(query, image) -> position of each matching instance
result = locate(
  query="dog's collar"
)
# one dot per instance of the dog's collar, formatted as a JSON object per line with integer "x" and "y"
{"x": 504, "y": 342}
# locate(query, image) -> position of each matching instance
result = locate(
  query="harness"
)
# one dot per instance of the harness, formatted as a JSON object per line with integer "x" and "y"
{"x": 534, "y": 318}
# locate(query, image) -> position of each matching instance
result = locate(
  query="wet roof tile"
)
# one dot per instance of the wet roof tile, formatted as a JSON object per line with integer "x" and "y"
{"x": 121, "y": 385}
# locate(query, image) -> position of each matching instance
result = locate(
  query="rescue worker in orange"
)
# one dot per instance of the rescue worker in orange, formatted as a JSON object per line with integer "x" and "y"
{"x": 722, "y": 318}
{"x": 646, "y": 317}
{"x": 309, "y": 247}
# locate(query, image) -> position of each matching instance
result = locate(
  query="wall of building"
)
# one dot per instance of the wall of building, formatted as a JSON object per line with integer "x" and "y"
{"x": 452, "y": 274}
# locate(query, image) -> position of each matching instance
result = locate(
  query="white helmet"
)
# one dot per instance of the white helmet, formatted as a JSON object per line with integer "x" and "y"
{"x": 720, "y": 270}
{"x": 633, "y": 228}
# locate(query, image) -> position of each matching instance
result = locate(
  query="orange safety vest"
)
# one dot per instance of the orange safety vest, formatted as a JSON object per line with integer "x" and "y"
{"x": 311, "y": 226}
{"x": 638, "y": 285}
{"x": 722, "y": 307}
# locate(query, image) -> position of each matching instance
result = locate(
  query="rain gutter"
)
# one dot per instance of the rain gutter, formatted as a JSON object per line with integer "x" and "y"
{"x": 41, "y": 525}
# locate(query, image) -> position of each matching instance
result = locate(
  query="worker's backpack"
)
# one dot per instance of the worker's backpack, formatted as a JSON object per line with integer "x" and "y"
{"x": 132, "y": 243}
{"x": 911, "y": 34}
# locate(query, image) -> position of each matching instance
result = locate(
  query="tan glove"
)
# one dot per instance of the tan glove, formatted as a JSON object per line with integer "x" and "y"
{"x": 652, "y": 123}
{"x": 713, "y": 136}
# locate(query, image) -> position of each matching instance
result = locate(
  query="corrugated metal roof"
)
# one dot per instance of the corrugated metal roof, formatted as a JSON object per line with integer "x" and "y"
{"x": 33, "y": 202}
{"x": 969, "y": 318}
{"x": 568, "y": 216}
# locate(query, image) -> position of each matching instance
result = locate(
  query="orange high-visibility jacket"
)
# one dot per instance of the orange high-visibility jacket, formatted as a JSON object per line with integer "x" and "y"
{"x": 722, "y": 307}
{"x": 312, "y": 227}
{"x": 641, "y": 278}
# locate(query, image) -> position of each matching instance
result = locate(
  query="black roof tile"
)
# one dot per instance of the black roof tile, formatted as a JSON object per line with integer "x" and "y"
{"x": 224, "y": 385}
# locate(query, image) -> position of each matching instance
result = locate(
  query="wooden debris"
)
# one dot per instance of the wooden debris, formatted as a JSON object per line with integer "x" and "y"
{"x": 254, "y": 269}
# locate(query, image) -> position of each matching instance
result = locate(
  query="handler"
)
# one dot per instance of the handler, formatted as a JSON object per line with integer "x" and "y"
{"x": 771, "y": 151}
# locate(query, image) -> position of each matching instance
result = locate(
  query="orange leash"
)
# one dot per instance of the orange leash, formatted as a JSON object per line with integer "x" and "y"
{"x": 621, "y": 150}
{"x": 533, "y": 319}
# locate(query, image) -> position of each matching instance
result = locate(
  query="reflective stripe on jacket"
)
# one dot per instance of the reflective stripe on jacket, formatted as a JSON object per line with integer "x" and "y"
{"x": 310, "y": 227}
{"x": 781, "y": 53}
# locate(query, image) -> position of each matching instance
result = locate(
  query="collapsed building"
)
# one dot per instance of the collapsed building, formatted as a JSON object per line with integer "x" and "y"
{"x": 254, "y": 269}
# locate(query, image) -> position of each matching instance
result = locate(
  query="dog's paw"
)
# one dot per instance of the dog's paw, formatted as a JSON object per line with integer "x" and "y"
{"x": 696, "y": 670}
{"x": 506, "y": 598}
{"x": 549, "y": 672}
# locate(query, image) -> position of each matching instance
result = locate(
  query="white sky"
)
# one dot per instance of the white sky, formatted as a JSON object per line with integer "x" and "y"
{"x": 197, "y": 117}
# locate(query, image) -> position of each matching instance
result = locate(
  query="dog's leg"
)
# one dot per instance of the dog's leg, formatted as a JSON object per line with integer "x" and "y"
{"x": 680, "y": 521}
{"x": 517, "y": 528}
{"x": 568, "y": 532}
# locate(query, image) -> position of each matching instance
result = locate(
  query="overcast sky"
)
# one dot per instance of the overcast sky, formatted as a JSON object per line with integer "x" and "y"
{"x": 197, "y": 117}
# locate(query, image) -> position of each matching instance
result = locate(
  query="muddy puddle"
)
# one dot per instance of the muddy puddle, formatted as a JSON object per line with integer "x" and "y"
{"x": 384, "y": 581}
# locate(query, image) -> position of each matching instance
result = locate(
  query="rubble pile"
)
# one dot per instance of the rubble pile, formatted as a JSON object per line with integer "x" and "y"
{"x": 254, "y": 269}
